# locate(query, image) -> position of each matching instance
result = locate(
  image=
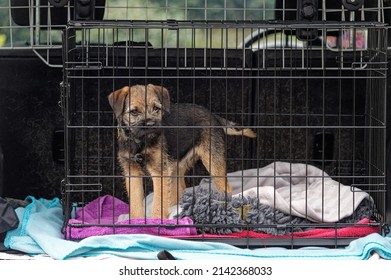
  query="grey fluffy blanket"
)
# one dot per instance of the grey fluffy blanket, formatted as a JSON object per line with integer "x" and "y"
{"x": 279, "y": 194}
{"x": 224, "y": 215}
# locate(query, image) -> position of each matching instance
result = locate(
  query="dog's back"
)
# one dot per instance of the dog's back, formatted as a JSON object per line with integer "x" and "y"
{"x": 185, "y": 124}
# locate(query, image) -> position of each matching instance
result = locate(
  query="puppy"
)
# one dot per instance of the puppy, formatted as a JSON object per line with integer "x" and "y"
{"x": 166, "y": 140}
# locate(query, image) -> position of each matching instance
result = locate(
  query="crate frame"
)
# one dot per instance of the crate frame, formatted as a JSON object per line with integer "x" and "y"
{"x": 374, "y": 129}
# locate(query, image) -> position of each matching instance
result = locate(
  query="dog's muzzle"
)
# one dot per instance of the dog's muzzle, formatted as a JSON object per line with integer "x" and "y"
{"x": 147, "y": 130}
{"x": 143, "y": 131}
{"x": 125, "y": 131}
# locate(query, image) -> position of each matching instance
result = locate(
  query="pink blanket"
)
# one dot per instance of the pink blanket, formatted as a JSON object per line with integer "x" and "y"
{"x": 100, "y": 217}
{"x": 361, "y": 229}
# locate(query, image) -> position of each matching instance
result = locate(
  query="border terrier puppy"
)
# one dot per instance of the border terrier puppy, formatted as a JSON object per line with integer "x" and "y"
{"x": 166, "y": 140}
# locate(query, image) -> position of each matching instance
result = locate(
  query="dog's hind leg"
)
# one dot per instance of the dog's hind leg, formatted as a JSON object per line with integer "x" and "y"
{"x": 213, "y": 158}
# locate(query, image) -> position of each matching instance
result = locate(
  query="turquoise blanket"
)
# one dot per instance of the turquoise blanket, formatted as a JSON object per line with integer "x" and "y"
{"x": 39, "y": 232}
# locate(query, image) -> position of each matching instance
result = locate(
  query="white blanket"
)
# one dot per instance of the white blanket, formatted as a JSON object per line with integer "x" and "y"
{"x": 293, "y": 188}
{"x": 298, "y": 189}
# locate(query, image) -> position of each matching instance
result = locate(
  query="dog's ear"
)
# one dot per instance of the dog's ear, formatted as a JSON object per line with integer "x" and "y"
{"x": 164, "y": 96}
{"x": 117, "y": 99}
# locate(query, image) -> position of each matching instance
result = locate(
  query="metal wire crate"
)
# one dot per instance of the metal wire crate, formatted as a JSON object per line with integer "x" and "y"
{"x": 38, "y": 24}
{"x": 317, "y": 106}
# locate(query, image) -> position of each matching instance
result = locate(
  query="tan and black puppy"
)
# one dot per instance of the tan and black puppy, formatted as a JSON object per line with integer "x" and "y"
{"x": 167, "y": 140}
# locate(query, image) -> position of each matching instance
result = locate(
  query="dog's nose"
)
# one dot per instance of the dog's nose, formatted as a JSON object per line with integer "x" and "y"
{"x": 150, "y": 123}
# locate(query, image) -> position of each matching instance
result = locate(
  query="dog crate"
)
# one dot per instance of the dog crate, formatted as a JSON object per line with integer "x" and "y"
{"x": 315, "y": 95}
{"x": 312, "y": 85}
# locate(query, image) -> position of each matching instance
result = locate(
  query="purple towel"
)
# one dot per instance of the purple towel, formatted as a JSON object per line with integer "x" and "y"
{"x": 100, "y": 217}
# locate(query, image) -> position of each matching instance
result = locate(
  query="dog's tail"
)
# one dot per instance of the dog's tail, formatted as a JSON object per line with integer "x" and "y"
{"x": 232, "y": 128}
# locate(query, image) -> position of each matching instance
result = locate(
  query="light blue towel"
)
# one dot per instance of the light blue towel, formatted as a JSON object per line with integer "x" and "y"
{"x": 40, "y": 232}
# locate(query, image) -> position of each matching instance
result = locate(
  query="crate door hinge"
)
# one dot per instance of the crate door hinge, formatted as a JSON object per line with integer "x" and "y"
{"x": 64, "y": 88}
{"x": 352, "y": 5}
{"x": 84, "y": 9}
{"x": 307, "y": 11}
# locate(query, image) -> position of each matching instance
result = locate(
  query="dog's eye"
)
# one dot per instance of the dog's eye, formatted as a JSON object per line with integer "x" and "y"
{"x": 134, "y": 112}
{"x": 156, "y": 109}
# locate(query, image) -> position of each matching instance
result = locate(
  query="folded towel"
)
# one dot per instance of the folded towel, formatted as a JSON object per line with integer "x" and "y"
{"x": 40, "y": 232}
{"x": 101, "y": 217}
